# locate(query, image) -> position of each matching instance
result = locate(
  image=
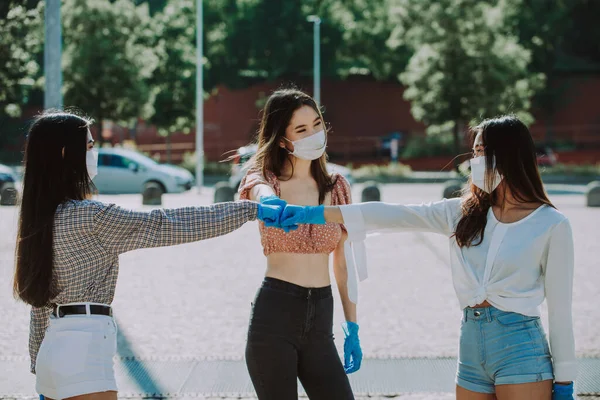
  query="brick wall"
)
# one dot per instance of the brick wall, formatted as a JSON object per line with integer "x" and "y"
{"x": 361, "y": 112}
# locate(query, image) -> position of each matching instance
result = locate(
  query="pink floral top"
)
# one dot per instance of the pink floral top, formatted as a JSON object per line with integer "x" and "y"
{"x": 307, "y": 239}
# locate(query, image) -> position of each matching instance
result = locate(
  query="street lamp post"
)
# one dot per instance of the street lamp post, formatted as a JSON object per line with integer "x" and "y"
{"x": 199, "y": 99}
{"x": 316, "y": 57}
{"x": 52, "y": 56}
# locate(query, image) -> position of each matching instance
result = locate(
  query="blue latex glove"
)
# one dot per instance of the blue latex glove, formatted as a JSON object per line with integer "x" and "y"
{"x": 562, "y": 392}
{"x": 294, "y": 215}
{"x": 41, "y": 397}
{"x": 273, "y": 201}
{"x": 269, "y": 214}
{"x": 352, "y": 351}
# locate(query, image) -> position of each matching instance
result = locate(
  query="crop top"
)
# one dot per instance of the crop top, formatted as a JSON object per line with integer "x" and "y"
{"x": 307, "y": 239}
{"x": 315, "y": 239}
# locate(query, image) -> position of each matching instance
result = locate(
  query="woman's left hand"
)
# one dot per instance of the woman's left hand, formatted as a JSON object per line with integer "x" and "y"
{"x": 273, "y": 201}
{"x": 352, "y": 351}
{"x": 562, "y": 391}
{"x": 269, "y": 214}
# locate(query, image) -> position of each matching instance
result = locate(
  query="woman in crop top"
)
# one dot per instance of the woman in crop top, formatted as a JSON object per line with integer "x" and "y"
{"x": 510, "y": 249}
{"x": 290, "y": 334}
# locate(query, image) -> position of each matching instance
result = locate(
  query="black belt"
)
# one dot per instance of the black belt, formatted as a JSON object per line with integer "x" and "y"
{"x": 77, "y": 309}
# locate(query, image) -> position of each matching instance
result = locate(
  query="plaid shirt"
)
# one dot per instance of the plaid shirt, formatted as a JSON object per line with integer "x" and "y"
{"x": 89, "y": 236}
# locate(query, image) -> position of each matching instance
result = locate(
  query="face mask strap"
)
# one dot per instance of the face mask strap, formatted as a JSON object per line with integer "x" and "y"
{"x": 285, "y": 147}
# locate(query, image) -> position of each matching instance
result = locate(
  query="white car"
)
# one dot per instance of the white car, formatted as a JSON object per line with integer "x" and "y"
{"x": 245, "y": 153}
{"x": 8, "y": 178}
{"x": 127, "y": 171}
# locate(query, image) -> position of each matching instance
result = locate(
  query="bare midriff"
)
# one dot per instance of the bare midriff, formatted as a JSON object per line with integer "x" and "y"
{"x": 308, "y": 270}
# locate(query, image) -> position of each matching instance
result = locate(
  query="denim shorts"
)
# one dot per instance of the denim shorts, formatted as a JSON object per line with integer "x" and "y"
{"x": 501, "y": 348}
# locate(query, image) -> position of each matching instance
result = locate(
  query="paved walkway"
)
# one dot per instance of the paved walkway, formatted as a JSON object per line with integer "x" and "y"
{"x": 194, "y": 299}
{"x": 194, "y": 377}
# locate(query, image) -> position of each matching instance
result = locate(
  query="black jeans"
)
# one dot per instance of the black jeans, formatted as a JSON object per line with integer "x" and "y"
{"x": 290, "y": 337}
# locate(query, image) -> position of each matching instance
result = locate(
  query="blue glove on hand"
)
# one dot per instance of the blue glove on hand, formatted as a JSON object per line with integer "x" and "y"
{"x": 276, "y": 201}
{"x": 294, "y": 215}
{"x": 269, "y": 214}
{"x": 273, "y": 201}
{"x": 352, "y": 352}
{"x": 562, "y": 392}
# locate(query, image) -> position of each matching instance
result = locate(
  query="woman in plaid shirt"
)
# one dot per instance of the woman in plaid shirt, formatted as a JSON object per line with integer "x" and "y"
{"x": 68, "y": 249}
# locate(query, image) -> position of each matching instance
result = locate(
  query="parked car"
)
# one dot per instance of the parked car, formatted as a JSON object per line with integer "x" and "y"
{"x": 127, "y": 171}
{"x": 243, "y": 154}
{"x": 8, "y": 178}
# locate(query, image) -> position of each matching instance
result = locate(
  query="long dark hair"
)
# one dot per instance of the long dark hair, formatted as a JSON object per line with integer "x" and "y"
{"x": 276, "y": 116}
{"x": 55, "y": 171}
{"x": 509, "y": 141}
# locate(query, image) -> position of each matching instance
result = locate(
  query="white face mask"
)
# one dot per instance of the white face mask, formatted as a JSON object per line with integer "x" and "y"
{"x": 310, "y": 148}
{"x": 479, "y": 173}
{"x": 91, "y": 161}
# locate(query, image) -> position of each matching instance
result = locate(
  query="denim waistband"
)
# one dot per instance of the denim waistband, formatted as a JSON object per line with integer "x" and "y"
{"x": 481, "y": 313}
{"x": 297, "y": 290}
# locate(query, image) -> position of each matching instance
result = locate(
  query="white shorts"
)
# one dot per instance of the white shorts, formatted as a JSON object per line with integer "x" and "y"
{"x": 76, "y": 356}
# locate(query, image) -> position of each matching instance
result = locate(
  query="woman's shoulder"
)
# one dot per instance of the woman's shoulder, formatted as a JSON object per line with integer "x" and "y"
{"x": 82, "y": 209}
{"x": 552, "y": 215}
{"x": 452, "y": 205}
{"x": 79, "y": 205}
{"x": 341, "y": 191}
{"x": 77, "y": 216}
{"x": 255, "y": 177}
{"x": 254, "y": 174}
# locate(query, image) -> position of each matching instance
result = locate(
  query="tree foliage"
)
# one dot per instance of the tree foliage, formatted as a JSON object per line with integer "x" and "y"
{"x": 465, "y": 66}
{"x": 459, "y": 59}
{"x": 20, "y": 42}
{"x": 369, "y": 45}
{"x": 174, "y": 80}
{"x": 107, "y": 59}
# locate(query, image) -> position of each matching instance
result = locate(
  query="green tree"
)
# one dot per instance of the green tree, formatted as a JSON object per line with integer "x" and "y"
{"x": 465, "y": 66}
{"x": 20, "y": 45}
{"x": 368, "y": 45}
{"x": 582, "y": 39}
{"x": 108, "y": 59}
{"x": 173, "y": 82}
{"x": 7, "y": 5}
{"x": 541, "y": 30}
{"x": 563, "y": 37}
{"x": 20, "y": 41}
{"x": 256, "y": 40}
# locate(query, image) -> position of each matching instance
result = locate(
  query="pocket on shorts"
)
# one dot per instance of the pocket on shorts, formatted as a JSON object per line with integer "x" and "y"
{"x": 70, "y": 351}
{"x": 511, "y": 319}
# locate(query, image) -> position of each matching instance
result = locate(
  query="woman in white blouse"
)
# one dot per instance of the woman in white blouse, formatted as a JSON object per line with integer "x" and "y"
{"x": 510, "y": 249}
